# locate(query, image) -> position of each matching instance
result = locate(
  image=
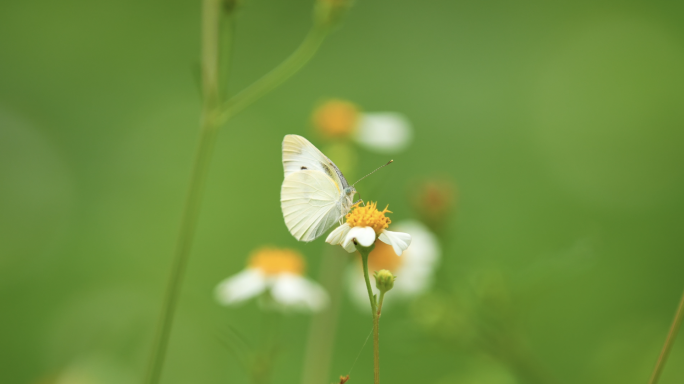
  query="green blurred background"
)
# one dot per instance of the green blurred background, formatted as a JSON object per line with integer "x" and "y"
{"x": 561, "y": 123}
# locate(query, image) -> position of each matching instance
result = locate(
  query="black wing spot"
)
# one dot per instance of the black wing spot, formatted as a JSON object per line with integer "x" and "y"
{"x": 303, "y": 168}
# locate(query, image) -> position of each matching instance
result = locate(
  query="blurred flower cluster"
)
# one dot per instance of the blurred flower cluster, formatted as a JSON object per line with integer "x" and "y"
{"x": 382, "y": 132}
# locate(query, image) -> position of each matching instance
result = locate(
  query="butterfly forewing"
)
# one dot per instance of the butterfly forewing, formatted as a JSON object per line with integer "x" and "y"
{"x": 300, "y": 155}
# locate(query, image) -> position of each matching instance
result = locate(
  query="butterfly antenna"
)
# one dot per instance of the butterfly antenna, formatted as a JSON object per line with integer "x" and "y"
{"x": 379, "y": 168}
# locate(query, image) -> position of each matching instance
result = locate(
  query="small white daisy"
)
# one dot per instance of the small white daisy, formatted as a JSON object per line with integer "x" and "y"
{"x": 281, "y": 273}
{"x": 383, "y": 132}
{"x": 365, "y": 224}
{"x": 414, "y": 269}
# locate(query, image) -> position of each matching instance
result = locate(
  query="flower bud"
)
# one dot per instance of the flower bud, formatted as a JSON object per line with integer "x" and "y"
{"x": 384, "y": 280}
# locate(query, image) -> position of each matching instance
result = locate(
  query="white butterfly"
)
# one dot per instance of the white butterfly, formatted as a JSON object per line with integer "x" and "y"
{"x": 315, "y": 195}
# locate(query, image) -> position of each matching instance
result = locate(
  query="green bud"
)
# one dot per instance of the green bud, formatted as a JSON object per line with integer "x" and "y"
{"x": 384, "y": 280}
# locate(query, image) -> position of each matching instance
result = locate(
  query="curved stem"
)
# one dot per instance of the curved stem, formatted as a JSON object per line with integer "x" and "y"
{"x": 278, "y": 75}
{"x": 669, "y": 341}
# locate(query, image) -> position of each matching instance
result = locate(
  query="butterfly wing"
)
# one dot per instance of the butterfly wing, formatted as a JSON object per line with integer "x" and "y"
{"x": 300, "y": 155}
{"x": 311, "y": 203}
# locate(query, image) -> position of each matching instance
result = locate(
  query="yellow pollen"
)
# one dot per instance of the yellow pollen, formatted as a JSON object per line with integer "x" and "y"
{"x": 384, "y": 257}
{"x": 273, "y": 261}
{"x": 368, "y": 216}
{"x": 336, "y": 118}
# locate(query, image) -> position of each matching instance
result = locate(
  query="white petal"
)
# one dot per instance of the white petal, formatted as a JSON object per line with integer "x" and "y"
{"x": 297, "y": 292}
{"x": 235, "y": 289}
{"x": 349, "y": 247}
{"x": 338, "y": 235}
{"x": 365, "y": 236}
{"x": 398, "y": 240}
{"x": 385, "y": 132}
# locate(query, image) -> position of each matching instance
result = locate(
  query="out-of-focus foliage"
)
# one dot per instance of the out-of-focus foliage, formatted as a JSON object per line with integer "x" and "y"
{"x": 558, "y": 128}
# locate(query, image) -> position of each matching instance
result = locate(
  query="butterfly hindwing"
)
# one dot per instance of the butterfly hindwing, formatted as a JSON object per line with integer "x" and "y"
{"x": 311, "y": 204}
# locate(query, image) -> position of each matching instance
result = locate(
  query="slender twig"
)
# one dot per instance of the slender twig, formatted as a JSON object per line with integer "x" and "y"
{"x": 669, "y": 341}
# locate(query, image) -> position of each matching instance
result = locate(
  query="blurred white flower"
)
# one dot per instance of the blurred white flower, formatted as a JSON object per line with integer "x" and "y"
{"x": 281, "y": 273}
{"x": 365, "y": 224}
{"x": 414, "y": 269}
{"x": 384, "y": 132}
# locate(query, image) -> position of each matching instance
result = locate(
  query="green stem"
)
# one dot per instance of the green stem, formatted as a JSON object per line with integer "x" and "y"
{"x": 278, "y": 75}
{"x": 365, "y": 252}
{"x": 669, "y": 341}
{"x": 323, "y": 328}
{"x": 380, "y": 300}
{"x": 376, "y": 348}
{"x": 209, "y": 129}
{"x": 214, "y": 114}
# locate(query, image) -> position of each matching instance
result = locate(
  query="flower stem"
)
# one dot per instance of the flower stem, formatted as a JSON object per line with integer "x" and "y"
{"x": 209, "y": 128}
{"x": 365, "y": 252}
{"x": 376, "y": 348}
{"x": 380, "y": 300}
{"x": 323, "y": 327}
{"x": 669, "y": 341}
{"x": 214, "y": 114}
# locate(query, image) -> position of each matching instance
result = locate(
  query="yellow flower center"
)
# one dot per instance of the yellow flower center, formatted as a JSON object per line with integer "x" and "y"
{"x": 273, "y": 261}
{"x": 336, "y": 118}
{"x": 368, "y": 216}
{"x": 384, "y": 257}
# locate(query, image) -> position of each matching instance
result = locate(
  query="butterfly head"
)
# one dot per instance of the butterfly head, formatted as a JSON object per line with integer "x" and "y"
{"x": 350, "y": 191}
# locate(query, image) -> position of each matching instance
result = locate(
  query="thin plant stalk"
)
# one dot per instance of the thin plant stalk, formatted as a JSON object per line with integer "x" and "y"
{"x": 365, "y": 252}
{"x": 278, "y": 75}
{"x": 214, "y": 114}
{"x": 323, "y": 328}
{"x": 211, "y": 11}
{"x": 669, "y": 341}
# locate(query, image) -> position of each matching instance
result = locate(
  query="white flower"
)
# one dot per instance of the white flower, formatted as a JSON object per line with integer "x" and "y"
{"x": 414, "y": 269}
{"x": 278, "y": 271}
{"x": 384, "y": 132}
{"x": 365, "y": 224}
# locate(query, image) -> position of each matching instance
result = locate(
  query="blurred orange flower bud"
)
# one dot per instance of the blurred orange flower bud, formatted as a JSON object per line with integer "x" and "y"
{"x": 336, "y": 119}
{"x": 434, "y": 201}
